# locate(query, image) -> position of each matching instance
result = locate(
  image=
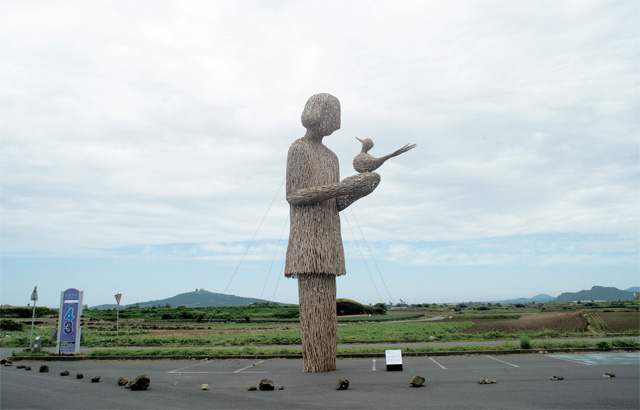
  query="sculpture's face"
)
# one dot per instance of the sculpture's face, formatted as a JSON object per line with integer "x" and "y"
{"x": 331, "y": 122}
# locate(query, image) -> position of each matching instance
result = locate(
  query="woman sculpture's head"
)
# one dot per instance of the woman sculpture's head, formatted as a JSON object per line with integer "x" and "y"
{"x": 321, "y": 115}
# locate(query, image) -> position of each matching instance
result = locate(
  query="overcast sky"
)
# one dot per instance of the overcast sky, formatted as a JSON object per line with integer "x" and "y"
{"x": 143, "y": 145}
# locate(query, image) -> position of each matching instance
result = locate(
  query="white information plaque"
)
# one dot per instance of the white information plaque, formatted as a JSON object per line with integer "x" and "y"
{"x": 394, "y": 360}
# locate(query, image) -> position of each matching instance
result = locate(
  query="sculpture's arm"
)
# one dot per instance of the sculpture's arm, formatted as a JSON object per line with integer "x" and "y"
{"x": 346, "y": 191}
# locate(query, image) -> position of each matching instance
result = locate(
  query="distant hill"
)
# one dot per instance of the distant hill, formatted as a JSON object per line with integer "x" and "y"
{"x": 197, "y": 298}
{"x": 633, "y": 289}
{"x": 541, "y": 298}
{"x": 596, "y": 293}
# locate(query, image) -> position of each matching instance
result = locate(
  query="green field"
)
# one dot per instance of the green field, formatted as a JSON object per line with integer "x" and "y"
{"x": 277, "y": 325}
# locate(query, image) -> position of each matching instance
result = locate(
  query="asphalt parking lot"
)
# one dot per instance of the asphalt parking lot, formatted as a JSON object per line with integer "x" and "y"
{"x": 523, "y": 382}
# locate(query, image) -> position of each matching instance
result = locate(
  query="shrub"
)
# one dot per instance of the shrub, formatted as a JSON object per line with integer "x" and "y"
{"x": 625, "y": 343}
{"x": 604, "y": 345}
{"x": 10, "y": 325}
{"x": 377, "y": 309}
{"x": 525, "y": 342}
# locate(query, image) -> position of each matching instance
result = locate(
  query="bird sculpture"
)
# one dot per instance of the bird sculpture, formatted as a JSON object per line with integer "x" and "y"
{"x": 363, "y": 162}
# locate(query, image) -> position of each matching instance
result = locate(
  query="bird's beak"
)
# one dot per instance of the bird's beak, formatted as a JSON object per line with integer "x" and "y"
{"x": 360, "y": 140}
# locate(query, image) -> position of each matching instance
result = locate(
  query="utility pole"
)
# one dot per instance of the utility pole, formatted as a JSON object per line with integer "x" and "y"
{"x": 34, "y": 297}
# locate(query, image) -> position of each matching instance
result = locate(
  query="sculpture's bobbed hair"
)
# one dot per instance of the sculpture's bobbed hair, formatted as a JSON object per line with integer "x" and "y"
{"x": 321, "y": 114}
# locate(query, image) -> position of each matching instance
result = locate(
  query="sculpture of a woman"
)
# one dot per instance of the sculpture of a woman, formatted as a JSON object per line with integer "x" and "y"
{"x": 315, "y": 255}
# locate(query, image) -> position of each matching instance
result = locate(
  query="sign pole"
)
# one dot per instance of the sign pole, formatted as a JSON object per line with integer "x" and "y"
{"x": 118, "y": 297}
{"x": 34, "y": 297}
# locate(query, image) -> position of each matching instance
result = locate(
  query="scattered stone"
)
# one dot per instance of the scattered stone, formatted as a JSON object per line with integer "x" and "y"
{"x": 95, "y": 379}
{"x": 20, "y": 366}
{"x": 610, "y": 374}
{"x": 64, "y": 373}
{"x": 28, "y": 368}
{"x": 205, "y": 387}
{"x": 122, "y": 381}
{"x": 606, "y": 376}
{"x": 44, "y": 368}
{"x": 554, "y": 378}
{"x": 79, "y": 376}
{"x": 141, "y": 382}
{"x": 252, "y": 388}
{"x": 7, "y": 364}
{"x": 3, "y": 361}
{"x": 266, "y": 385}
{"x": 343, "y": 384}
{"x": 128, "y": 385}
{"x": 543, "y": 352}
{"x": 281, "y": 388}
{"x": 487, "y": 381}
{"x": 417, "y": 381}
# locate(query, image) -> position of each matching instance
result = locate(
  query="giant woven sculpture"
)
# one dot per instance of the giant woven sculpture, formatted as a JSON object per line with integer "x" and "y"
{"x": 315, "y": 254}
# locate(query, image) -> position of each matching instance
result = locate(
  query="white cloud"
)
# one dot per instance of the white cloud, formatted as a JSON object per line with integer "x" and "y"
{"x": 130, "y": 124}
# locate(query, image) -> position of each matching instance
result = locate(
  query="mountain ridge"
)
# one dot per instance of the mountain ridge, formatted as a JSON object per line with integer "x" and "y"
{"x": 596, "y": 293}
{"x": 197, "y": 298}
{"x": 205, "y": 298}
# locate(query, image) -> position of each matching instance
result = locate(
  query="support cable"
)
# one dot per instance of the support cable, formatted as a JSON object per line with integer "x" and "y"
{"x": 254, "y": 236}
{"x": 371, "y": 253}
{"x": 393, "y": 325}
{"x": 363, "y": 259}
{"x": 278, "y": 281}
{"x": 286, "y": 222}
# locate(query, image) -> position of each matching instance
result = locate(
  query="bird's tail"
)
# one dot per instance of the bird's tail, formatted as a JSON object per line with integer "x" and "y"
{"x": 402, "y": 150}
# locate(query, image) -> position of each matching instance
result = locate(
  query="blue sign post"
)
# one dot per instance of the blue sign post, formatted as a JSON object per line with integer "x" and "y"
{"x": 69, "y": 321}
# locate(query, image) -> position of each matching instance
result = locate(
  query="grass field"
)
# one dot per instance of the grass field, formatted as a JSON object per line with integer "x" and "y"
{"x": 417, "y": 325}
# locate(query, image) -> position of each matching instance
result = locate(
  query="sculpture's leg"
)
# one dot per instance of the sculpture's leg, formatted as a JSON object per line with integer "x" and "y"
{"x": 317, "y": 293}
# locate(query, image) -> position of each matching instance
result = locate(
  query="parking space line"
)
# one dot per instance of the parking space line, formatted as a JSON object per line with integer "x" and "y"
{"x": 181, "y": 370}
{"x": 502, "y": 361}
{"x": 569, "y": 360}
{"x": 251, "y": 365}
{"x": 441, "y": 366}
{"x": 235, "y": 372}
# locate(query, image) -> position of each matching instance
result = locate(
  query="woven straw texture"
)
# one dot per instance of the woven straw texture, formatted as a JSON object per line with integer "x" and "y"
{"x": 317, "y": 295}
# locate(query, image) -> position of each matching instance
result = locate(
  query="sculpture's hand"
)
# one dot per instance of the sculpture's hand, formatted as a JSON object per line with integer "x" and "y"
{"x": 360, "y": 185}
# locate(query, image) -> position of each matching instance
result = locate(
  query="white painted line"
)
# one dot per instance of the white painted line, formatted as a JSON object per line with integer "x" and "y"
{"x": 181, "y": 370}
{"x": 251, "y": 365}
{"x": 569, "y": 360}
{"x": 502, "y": 361}
{"x": 373, "y": 366}
{"x": 236, "y": 372}
{"x": 441, "y": 366}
